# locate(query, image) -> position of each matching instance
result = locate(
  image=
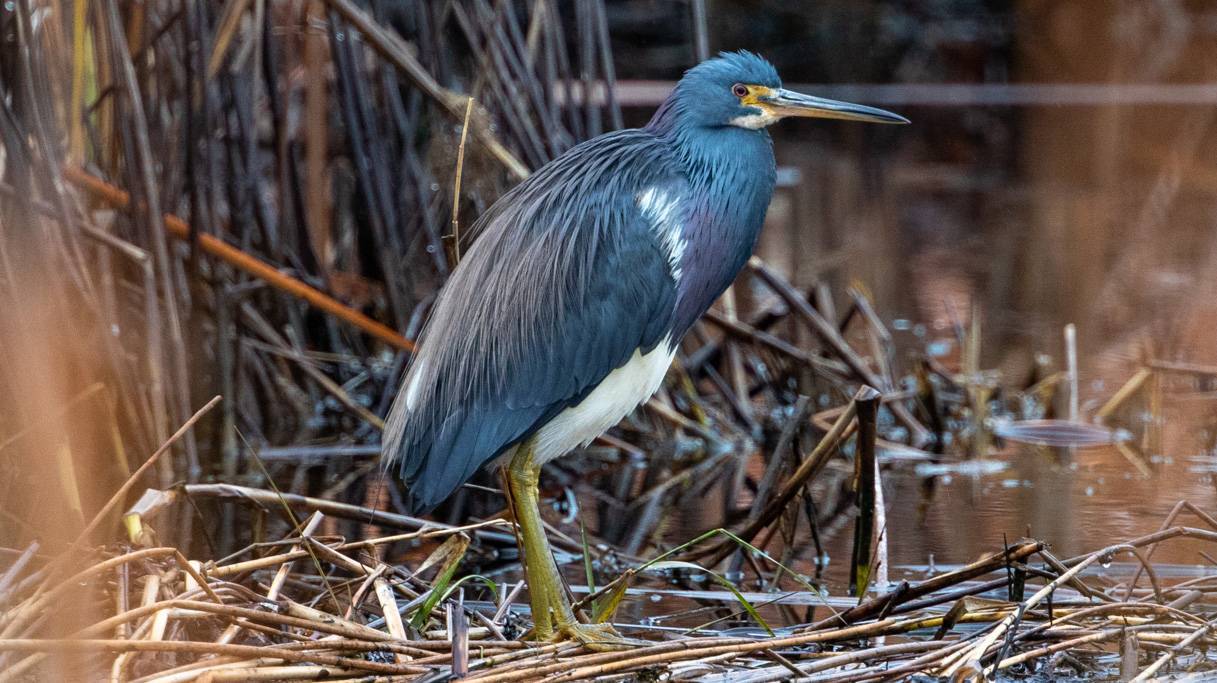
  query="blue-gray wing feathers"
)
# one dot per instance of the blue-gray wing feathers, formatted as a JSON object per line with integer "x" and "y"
{"x": 565, "y": 281}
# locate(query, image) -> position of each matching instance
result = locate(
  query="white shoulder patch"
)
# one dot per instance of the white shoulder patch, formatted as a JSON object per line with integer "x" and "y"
{"x": 662, "y": 210}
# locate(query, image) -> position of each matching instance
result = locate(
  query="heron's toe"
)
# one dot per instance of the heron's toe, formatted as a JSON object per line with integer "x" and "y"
{"x": 599, "y": 637}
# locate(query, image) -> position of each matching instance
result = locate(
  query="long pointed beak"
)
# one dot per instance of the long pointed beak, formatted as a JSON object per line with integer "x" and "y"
{"x": 790, "y": 103}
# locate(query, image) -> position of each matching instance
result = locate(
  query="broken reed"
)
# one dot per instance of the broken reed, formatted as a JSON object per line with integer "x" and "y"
{"x": 866, "y": 470}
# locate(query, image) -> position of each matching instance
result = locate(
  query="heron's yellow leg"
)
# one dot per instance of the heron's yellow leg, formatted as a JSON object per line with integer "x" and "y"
{"x": 541, "y": 571}
{"x": 551, "y": 611}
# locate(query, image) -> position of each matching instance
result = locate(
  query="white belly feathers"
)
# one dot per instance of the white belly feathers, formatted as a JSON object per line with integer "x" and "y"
{"x": 620, "y": 392}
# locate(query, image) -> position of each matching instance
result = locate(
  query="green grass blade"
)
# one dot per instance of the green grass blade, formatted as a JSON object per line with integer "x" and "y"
{"x": 678, "y": 564}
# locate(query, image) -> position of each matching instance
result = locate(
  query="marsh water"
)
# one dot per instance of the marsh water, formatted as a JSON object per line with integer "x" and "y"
{"x": 1136, "y": 297}
{"x": 1076, "y": 499}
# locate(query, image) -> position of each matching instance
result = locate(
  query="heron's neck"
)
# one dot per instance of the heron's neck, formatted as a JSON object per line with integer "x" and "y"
{"x": 730, "y": 171}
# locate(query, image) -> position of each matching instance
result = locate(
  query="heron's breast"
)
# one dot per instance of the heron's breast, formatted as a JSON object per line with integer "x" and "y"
{"x": 620, "y": 392}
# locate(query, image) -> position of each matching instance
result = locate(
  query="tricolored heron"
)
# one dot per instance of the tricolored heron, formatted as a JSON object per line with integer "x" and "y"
{"x": 566, "y": 311}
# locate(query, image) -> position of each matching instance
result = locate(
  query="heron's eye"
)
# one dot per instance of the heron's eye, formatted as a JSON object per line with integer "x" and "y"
{"x": 739, "y": 90}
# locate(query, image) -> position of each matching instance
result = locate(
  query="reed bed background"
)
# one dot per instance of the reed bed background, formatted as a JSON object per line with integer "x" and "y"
{"x": 308, "y": 143}
{"x": 222, "y": 226}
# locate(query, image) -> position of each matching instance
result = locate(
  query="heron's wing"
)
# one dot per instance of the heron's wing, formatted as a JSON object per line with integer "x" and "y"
{"x": 568, "y": 279}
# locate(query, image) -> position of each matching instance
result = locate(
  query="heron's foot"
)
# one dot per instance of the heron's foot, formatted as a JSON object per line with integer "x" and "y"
{"x": 598, "y": 637}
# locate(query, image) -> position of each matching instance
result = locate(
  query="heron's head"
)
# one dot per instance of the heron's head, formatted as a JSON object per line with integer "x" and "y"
{"x": 743, "y": 89}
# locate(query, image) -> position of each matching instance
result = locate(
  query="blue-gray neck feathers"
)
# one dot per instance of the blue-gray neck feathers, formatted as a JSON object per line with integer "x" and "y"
{"x": 730, "y": 170}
